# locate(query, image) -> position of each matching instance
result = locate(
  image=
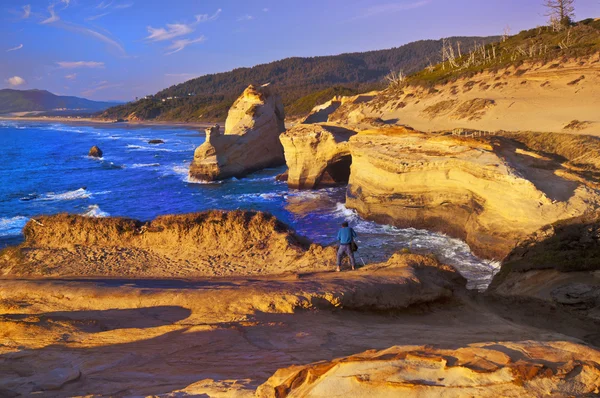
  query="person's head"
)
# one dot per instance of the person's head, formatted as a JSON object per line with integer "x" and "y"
{"x": 345, "y": 224}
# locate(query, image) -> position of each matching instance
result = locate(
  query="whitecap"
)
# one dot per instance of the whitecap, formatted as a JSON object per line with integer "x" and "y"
{"x": 96, "y": 212}
{"x": 140, "y": 165}
{"x": 12, "y": 226}
{"x": 153, "y": 148}
{"x": 80, "y": 193}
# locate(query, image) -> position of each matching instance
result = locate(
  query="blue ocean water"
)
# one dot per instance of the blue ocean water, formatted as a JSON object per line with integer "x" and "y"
{"x": 45, "y": 170}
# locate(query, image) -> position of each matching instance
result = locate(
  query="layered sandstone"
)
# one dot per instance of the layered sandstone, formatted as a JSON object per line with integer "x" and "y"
{"x": 491, "y": 192}
{"x": 317, "y": 155}
{"x": 204, "y": 244}
{"x": 520, "y": 369}
{"x": 559, "y": 265}
{"x": 250, "y": 141}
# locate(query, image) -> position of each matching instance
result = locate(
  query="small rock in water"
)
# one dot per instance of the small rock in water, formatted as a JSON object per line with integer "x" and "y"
{"x": 156, "y": 142}
{"x": 95, "y": 152}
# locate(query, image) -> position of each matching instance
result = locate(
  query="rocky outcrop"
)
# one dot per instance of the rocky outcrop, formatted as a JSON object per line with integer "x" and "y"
{"x": 490, "y": 192}
{"x": 95, "y": 152}
{"x": 202, "y": 244}
{"x": 155, "y": 142}
{"x": 521, "y": 369}
{"x": 250, "y": 141}
{"x": 559, "y": 265}
{"x": 317, "y": 155}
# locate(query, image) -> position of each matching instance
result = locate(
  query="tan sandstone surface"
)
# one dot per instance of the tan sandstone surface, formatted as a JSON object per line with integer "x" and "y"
{"x": 213, "y": 243}
{"x": 250, "y": 141}
{"x": 560, "y": 96}
{"x": 522, "y": 369}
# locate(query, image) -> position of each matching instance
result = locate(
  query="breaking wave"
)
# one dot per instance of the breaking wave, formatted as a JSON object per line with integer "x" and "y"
{"x": 95, "y": 211}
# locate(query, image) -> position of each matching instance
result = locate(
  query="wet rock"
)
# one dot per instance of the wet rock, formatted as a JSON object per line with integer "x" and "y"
{"x": 95, "y": 152}
{"x": 155, "y": 142}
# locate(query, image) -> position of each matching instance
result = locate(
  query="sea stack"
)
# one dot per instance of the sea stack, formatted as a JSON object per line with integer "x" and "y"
{"x": 250, "y": 141}
{"x": 95, "y": 152}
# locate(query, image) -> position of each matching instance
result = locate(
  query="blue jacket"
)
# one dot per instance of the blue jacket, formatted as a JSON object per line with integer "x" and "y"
{"x": 346, "y": 235}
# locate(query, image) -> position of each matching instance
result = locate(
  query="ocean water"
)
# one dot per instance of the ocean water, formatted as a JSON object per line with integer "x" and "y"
{"x": 45, "y": 170}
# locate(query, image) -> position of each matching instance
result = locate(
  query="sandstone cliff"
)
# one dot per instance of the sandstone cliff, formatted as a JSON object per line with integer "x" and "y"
{"x": 491, "y": 192}
{"x": 317, "y": 155}
{"x": 526, "y": 369}
{"x": 558, "y": 265}
{"x": 250, "y": 141}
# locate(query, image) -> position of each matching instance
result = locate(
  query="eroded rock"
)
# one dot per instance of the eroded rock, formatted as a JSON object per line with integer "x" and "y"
{"x": 95, "y": 152}
{"x": 525, "y": 369}
{"x": 317, "y": 155}
{"x": 250, "y": 141}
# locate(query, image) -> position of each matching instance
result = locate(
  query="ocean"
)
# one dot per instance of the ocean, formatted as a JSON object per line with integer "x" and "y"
{"x": 45, "y": 170}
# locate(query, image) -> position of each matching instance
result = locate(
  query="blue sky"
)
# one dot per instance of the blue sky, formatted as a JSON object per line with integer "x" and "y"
{"x": 120, "y": 49}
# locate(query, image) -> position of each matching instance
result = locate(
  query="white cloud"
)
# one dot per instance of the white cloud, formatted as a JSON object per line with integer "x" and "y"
{"x": 72, "y": 76}
{"x": 206, "y": 17}
{"x": 80, "y": 64}
{"x": 391, "y": 8}
{"x": 246, "y": 18}
{"x": 20, "y": 46}
{"x": 266, "y": 10}
{"x": 15, "y": 81}
{"x": 172, "y": 31}
{"x": 26, "y": 11}
{"x": 53, "y": 16}
{"x": 179, "y": 45}
{"x": 66, "y": 2}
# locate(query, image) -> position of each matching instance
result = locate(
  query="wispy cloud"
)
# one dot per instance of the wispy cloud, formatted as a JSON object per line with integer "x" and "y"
{"x": 246, "y": 18}
{"x": 80, "y": 64}
{"x": 94, "y": 17}
{"x": 104, "y": 4}
{"x": 99, "y": 87}
{"x": 179, "y": 45}
{"x": 66, "y": 2}
{"x": 26, "y": 11}
{"x": 91, "y": 33}
{"x": 170, "y": 32}
{"x": 389, "y": 8}
{"x": 15, "y": 81}
{"x": 53, "y": 16}
{"x": 123, "y": 6}
{"x": 205, "y": 17}
{"x": 20, "y": 46}
{"x": 266, "y": 10}
{"x": 72, "y": 76}
{"x": 174, "y": 30}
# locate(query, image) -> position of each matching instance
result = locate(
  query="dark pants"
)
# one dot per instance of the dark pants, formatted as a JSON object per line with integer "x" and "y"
{"x": 345, "y": 249}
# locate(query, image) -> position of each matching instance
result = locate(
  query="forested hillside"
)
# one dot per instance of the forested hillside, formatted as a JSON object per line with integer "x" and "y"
{"x": 302, "y": 82}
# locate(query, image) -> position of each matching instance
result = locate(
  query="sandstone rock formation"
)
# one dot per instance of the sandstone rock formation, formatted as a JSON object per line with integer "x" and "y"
{"x": 559, "y": 264}
{"x": 317, "y": 155}
{"x": 250, "y": 141}
{"x": 490, "y": 192}
{"x": 202, "y": 244}
{"x": 95, "y": 152}
{"x": 526, "y": 369}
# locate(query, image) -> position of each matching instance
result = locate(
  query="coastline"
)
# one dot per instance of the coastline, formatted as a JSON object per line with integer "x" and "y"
{"x": 101, "y": 122}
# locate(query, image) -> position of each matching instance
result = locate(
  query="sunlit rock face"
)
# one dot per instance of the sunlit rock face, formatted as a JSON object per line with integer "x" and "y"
{"x": 491, "y": 192}
{"x": 521, "y": 369}
{"x": 317, "y": 155}
{"x": 250, "y": 141}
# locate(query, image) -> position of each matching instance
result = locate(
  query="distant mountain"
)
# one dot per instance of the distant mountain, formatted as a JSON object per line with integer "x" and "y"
{"x": 298, "y": 80}
{"x": 42, "y": 100}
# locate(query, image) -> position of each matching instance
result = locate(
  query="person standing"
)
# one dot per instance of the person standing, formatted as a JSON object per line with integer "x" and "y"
{"x": 345, "y": 237}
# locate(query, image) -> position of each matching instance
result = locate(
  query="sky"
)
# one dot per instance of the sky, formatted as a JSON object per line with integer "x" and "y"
{"x": 122, "y": 49}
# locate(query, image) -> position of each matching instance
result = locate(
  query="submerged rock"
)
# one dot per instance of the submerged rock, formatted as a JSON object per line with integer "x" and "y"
{"x": 154, "y": 142}
{"x": 250, "y": 141}
{"x": 520, "y": 369}
{"x": 95, "y": 152}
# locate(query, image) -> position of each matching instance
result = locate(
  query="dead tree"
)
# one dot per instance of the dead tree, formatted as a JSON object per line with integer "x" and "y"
{"x": 560, "y": 12}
